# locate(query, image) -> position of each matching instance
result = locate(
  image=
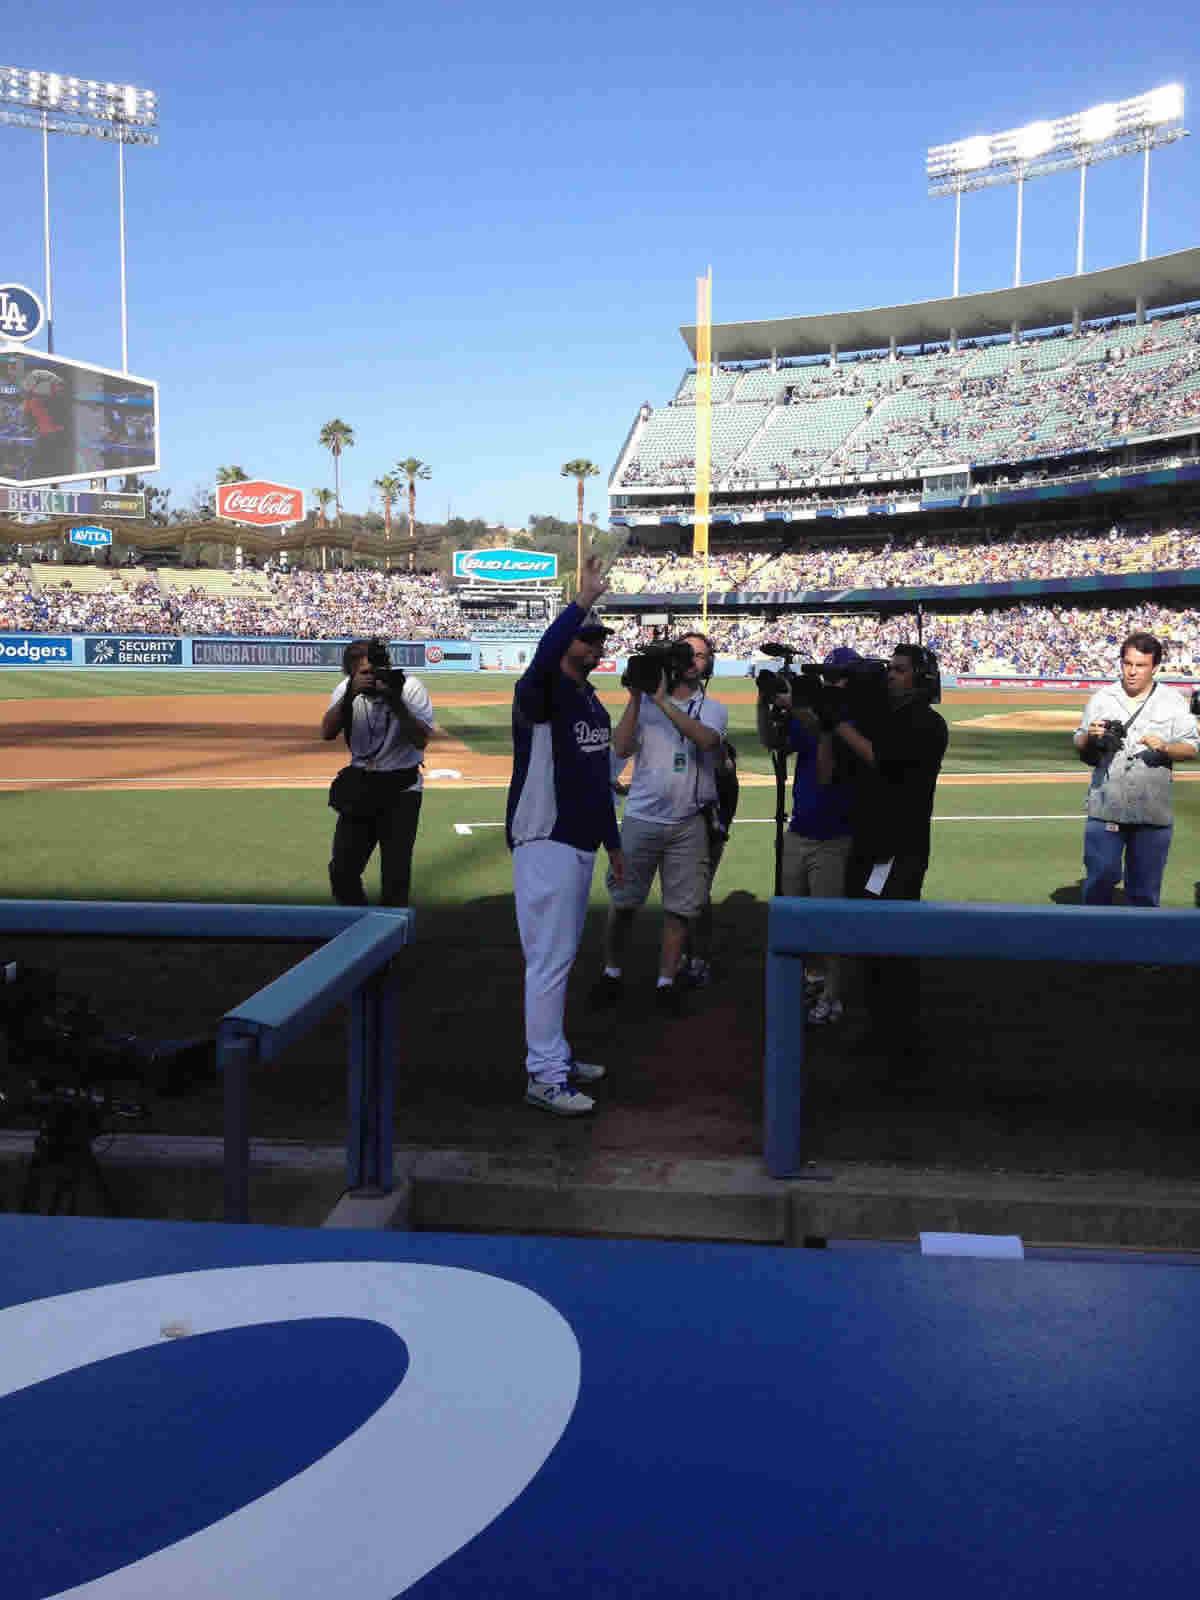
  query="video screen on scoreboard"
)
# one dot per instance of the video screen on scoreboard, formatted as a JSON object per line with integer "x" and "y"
{"x": 60, "y": 420}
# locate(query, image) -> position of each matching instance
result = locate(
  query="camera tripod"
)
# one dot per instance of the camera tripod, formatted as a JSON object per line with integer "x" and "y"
{"x": 64, "y": 1160}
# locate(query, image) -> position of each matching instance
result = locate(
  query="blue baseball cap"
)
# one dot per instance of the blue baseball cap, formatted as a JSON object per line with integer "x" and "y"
{"x": 842, "y": 656}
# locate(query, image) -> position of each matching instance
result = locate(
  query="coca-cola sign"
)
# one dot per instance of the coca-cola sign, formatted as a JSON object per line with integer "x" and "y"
{"x": 261, "y": 504}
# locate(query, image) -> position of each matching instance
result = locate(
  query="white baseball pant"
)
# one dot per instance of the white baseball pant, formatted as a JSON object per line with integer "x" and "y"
{"x": 551, "y": 883}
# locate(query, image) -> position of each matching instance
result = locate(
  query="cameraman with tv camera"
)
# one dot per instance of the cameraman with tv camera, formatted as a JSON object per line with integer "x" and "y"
{"x": 386, "y": 718}
{"x": 797, "y": 713}
{"x": 675, "y": 732}
{"x": 1131, "y": 734}
{"x": 889, "y": 849}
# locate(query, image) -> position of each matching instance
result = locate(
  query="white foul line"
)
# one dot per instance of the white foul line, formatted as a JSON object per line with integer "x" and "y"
{"x": 750, "y": 822}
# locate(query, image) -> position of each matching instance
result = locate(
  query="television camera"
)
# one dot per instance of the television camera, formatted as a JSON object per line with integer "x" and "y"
{"x": 854, "y": 691}
{"x": 75, "y": 1081}
{"x": 646, "y": 669}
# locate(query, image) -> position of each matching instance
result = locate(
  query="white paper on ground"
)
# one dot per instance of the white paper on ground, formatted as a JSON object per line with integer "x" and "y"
{"x": 999, "y": 1246}
{"x": 879, "y": 876}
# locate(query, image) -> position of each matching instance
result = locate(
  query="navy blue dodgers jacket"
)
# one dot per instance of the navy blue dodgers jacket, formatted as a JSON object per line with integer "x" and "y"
{"x": 561, "y": 786}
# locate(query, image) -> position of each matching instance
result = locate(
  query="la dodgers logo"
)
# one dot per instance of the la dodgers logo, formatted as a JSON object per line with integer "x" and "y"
{"x": 591, "y": 739}
{"x": 20, "y": 311}
{"x": 491, "y": 1382}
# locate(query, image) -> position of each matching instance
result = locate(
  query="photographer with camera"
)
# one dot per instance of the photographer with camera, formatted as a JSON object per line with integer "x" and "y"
{"x": 674, "y": 731}
{"x": 386, "y": 718}
{"x": 797, "y": 717}
{"x": 1131, "y": 734}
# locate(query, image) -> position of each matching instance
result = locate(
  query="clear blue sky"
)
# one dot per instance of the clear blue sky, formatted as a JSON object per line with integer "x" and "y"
{"x": 473, "y": 231}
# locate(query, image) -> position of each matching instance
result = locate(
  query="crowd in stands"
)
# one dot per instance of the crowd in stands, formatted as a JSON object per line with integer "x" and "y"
{"x": 343, "y": 604}
{"x": 1002, "y": 403}
{"x": 900, "y": 563}
{"x": 1039, "y": 640}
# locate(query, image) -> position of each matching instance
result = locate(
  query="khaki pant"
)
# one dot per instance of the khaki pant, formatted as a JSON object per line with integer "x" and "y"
{"x": 816, "y": 869}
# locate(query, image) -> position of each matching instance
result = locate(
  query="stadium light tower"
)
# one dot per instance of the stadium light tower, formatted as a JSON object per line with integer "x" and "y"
{"x": 1101, "y": 133}
{"x": 52, "y": 103}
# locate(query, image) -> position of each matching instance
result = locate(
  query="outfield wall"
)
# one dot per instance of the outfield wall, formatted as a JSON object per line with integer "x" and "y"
{"x": 118, "y": 650}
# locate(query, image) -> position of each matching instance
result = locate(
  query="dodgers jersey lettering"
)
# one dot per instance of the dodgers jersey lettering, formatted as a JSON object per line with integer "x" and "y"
{"x": 561, "y": 786}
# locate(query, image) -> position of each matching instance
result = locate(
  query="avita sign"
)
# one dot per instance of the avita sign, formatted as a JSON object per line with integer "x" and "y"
{"x": 260, "y": 504}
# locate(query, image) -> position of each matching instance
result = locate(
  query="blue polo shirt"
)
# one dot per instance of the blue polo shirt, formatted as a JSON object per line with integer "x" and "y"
{"x": 819, "y": 811}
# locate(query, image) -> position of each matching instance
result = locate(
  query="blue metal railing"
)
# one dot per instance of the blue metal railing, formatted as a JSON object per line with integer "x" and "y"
{"x": 799, "y": 928}
{"x": 355, "y": 965}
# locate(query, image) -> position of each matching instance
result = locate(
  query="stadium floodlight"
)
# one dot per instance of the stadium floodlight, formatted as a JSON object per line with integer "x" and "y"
{"x": 1100, "y": 133}
{"x": 119, "y": 112}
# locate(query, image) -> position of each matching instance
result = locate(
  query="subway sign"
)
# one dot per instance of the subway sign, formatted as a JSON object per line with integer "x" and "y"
{"x": 505, "y": 566}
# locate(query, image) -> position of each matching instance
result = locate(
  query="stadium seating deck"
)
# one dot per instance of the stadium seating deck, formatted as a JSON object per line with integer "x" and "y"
{"x": 997, "y": 403}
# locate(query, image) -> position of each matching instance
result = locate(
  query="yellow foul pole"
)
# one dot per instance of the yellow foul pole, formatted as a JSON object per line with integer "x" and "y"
{"x": 703, "y": 423}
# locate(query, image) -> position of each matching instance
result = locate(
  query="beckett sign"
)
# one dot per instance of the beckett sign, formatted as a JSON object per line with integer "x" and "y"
{"x": 505, "y": 566}
{"x": 260, "y": 504}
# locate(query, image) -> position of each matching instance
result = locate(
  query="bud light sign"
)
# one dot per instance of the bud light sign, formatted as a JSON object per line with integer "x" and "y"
{"x": 91, "y": 535}
{"x": 21, "y": 312}
{"x": 505, "y": 566}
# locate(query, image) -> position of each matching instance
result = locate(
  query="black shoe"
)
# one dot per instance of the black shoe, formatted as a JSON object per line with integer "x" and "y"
{"x": 668, "y": 999}
{"x": 605, "y": 993}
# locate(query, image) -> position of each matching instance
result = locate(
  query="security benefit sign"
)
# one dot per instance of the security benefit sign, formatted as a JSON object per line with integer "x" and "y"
{"x": 61, "y": 420}
{"x": 505, "y": 566}
{"x": 112, "y": 650}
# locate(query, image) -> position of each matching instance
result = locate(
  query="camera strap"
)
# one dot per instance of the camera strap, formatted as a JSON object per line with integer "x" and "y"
{"x": 1141, "y": 708}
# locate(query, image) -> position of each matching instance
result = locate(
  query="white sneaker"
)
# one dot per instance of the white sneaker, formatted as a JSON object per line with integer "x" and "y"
{"x": 559, "y": 1098}
{"x": 825, "y": 1012}
{"x": 587, "y": 1071}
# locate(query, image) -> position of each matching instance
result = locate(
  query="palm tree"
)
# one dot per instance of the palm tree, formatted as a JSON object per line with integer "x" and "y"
{"x": 335, "y": 437}
{"x": 232, "y": 475}
{"x": 324, "y": 498}
{"x": 389, "y": 487}
{"x": 579, "y": 470}
{"x": 412, "y": 469}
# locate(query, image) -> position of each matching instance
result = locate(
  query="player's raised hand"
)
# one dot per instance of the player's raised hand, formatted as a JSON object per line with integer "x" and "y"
{"x": 593, "y": 581}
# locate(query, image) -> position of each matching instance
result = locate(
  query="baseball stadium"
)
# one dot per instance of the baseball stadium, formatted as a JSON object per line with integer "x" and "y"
{"x": 1010, "y": 479}
{"x": 429, "y": 1339}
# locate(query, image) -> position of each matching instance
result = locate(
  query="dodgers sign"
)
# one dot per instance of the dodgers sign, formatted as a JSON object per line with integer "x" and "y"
{"x": 505, "y": 566}
{"x": 91, "y": 535}
{"x": 21, "y": 312}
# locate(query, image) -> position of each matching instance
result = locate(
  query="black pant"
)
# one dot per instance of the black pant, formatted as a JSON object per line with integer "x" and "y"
{"x": 892, "y": 984}
{"x": 394, "y": 829}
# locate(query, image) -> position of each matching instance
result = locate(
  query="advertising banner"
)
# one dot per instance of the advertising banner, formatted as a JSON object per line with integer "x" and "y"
{"x": 260, "y": 504}
{"x": 71, "y": 503}
{"x": 267, "y": 653}
{"x": 33, "y": 650}
{"x": 90, "y": 536}
{"x": 505, "y": 566}
{"x": 62, "y": 419}
{"x": 113, "y": 650}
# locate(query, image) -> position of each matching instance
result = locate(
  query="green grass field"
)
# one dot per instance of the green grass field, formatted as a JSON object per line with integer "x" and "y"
{"x": 1045, "y": 1068}
{"x": 995, "y": 840}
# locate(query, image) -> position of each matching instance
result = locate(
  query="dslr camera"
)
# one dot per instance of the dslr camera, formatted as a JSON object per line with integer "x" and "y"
{"x": 1113, "y": 737}
{"x": 653, "y": 662}
{"x": 389, "y": 680}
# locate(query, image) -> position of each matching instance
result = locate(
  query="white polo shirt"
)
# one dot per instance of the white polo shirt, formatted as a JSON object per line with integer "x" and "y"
{"x": 672, "y": 777}
{"x": 377, "y": 741}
